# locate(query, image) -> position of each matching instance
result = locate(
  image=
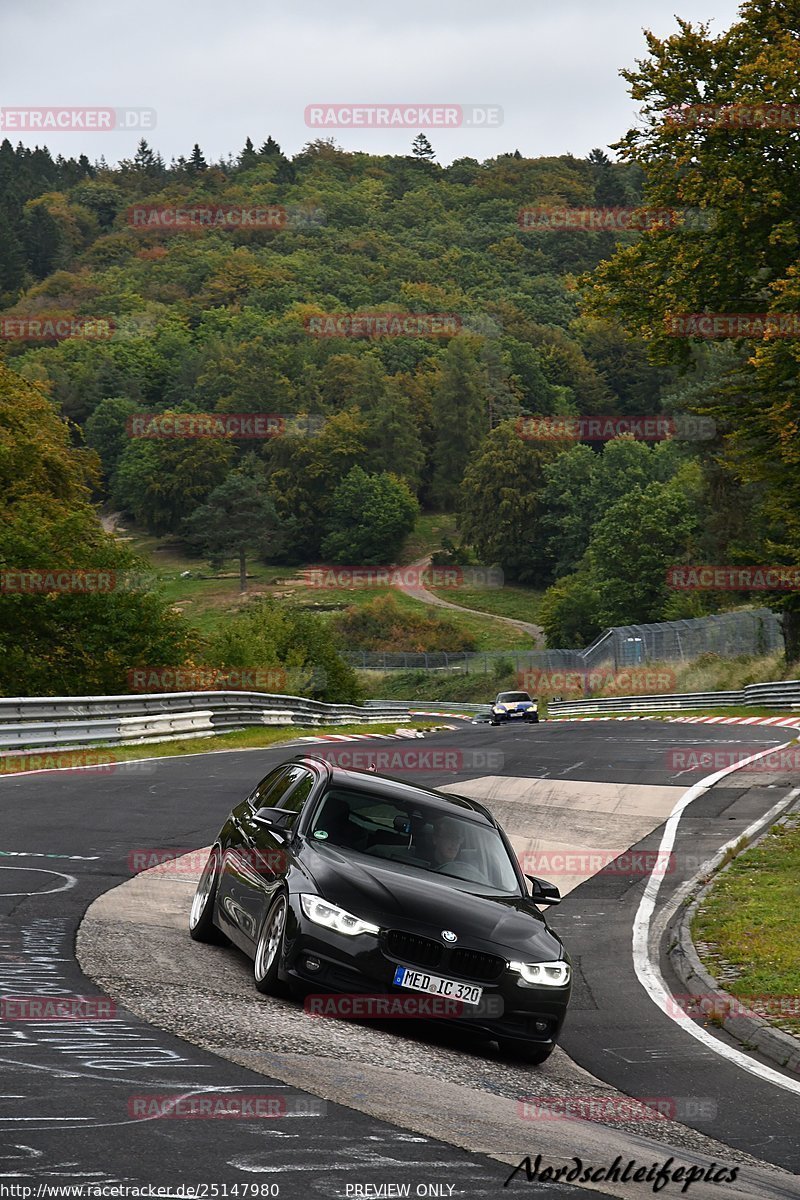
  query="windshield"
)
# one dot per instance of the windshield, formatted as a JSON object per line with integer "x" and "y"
{"x": 512, "y": 697}
{"x": 415, "y": 835}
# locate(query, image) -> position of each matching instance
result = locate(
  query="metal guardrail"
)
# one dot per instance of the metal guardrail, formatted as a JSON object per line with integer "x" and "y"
{"x": 75, "y": 721}
{"x": 432, "y": 706}
{"x": 782, "y": 695}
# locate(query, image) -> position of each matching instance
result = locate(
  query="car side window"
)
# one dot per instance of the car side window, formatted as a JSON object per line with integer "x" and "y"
{"x": 269, "y": 792}
{"x": 294, "y": 800}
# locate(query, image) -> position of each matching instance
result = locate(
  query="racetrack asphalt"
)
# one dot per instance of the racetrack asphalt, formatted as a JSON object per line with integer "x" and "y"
{"x": 64, "y": 1111}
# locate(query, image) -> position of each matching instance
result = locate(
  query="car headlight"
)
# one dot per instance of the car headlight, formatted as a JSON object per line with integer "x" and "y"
{"x": 499, "y": 708}
{"x": 331, "y": 917}
{"x": 546, "y": 974}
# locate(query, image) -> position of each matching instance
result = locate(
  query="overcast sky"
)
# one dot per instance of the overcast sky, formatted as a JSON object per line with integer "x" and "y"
{"x": 216, "y": 71}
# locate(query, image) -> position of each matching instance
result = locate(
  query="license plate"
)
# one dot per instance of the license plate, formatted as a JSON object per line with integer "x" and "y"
{"x": 434, "y": 985}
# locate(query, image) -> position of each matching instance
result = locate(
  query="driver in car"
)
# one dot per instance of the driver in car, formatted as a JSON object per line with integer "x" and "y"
{"x": 447, "y": 842}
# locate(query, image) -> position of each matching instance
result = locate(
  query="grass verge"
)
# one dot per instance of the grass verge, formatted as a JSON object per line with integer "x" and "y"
{"x": 508, "y": 601}
{"x": 240, "y": 739}
{"x": 207, "y": 598}
{"x": 748, "y": 922}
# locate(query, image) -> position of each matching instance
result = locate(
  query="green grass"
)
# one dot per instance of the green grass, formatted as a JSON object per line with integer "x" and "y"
{"x": 427, "y": 536}
{"x": 241, "y": 739}
{"x": 508, "y": 601}
{"x": 710, "y": 673}
{"x": 207, "y": 601}
{"x": 209, "y": 596}
{"x": 749, "y": 921}
{"x": 488, "y": 634}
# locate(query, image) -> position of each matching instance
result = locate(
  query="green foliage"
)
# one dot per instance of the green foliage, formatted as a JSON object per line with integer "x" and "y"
{"x": 421, "y": 148}
{"x": 218, "y": 321}
{"x": 106, "y": 431}
{"x": 383, "y": 625}
{"x": 237, "y": 519}
{"x": 267, "y": 634}
{"x": 369, "y": 518}
{"x": 501, "y": 506}
{"x": 569, "y": 501}
{"x": 303, "y": 473}
{"x": 568, "y": 611}
{"x": 161, "y": 481}
{"x": 460, "y": 415}
{"x": 735, "y": 256}
{"x": 67, "y": 643}
{"x": 632, "y": 546}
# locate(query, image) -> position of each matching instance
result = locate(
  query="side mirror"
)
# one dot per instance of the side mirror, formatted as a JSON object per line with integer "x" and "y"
{"x": 543, "y": 892}
{"x": 275, "y": 817}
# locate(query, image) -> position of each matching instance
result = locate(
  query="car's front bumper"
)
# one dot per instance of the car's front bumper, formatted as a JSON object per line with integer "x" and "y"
{"x": 359, "y": 966}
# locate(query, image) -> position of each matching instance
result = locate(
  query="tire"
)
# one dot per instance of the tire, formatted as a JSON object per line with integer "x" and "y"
{"x": 493, "y": 722}
{"x": 533, "y": 1053}
{"x": 268, "y": 950}
{"x": 201, "y": 914}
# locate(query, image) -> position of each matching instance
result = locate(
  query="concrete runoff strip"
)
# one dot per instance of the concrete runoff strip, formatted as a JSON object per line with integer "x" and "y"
{"x": 134, "y": 943}
{"x": 566, "y": 830}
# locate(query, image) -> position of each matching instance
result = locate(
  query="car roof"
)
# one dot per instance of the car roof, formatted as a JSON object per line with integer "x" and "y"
{"x": 396, "y": 789}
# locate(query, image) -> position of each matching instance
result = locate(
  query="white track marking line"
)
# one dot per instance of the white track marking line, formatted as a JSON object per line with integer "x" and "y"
{"x": 647, "y": 971}
{"x": 71, "y": 880}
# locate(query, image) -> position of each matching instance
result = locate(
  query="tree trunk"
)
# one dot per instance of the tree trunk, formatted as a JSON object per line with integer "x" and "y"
{"x": 242, "y": 572}
{"x": 790, "y": 619}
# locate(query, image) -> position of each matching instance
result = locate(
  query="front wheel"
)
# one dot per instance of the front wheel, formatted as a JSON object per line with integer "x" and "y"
{"x": 270, "y": 948}
{"x": 201, "y": 914}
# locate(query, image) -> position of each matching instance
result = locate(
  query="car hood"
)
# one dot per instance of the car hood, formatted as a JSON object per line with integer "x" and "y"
{"x": 514, "y": 704}
{"x": 392, "y": 897}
